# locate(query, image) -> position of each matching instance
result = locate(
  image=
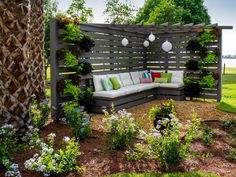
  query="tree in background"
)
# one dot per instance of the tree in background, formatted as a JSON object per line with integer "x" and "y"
{"x": 194, "y": 11}
{"x": 165, "y": 11}
{"x": 117, "y": 12}
{"x": 77, "y": 9}
{"x": 50, "y": 11}
{"x": 191, "y": 11}
{"x": 144, "y": 12}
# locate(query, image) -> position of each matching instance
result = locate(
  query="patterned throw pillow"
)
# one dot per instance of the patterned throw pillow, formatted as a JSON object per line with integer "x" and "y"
{"x": 168, "y": 75}
{"x": 147, "y": 75}
{"x": 145, "y": 80}
{"x": 106, "y": 84}
{"x": 115, "y": 83}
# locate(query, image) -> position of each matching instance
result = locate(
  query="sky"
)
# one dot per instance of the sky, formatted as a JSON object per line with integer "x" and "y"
{"x": 222, "y": 12}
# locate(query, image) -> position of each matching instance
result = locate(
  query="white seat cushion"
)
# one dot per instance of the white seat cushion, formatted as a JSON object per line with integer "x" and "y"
{"x": 131, "y": 89}
{"x": 109, "y": 94}
{"x": 148, "y": 86}
{"x": 117, "y": 76}
{"x": 158, "y": 71}
{"x": 171, "y": 85}
{"x": 97, "y": 81}
{"x": 126, "y": 79}
{"x": 177, "y": 76}
{"x": 135, "y": 77}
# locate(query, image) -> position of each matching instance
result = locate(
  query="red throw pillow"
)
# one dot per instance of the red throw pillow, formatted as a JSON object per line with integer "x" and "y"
{"x": 155, "y": 74}
{"x": 145, "y": 80}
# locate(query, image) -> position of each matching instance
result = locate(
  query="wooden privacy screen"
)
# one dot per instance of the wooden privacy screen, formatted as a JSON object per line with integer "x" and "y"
{"x": 109, "y": 56}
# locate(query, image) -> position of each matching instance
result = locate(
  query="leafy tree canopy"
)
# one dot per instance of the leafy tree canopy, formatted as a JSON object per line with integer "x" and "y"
{"x": 165, "y": 11}
{"x": 182, "y": 11}
{"x": 118, "y": 12}
{"x": 77, "y": 9}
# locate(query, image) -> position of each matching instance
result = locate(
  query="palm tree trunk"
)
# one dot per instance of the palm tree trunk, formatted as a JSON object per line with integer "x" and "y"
{"x": 37, "y": 48}
{"x": 15, "y": 71}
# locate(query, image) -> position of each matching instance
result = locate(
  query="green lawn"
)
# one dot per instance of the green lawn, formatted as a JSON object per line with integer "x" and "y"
{"x": 189, "y": 174}
{"x": 228, "y": 102}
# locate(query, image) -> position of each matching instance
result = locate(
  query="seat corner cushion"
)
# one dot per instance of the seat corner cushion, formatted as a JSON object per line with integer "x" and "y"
{"x": 171, "y": 85}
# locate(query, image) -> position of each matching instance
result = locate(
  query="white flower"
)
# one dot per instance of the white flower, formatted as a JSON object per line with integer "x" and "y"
{"x": 158, "y": 126}
{"x": 156, "y": 135}
{"x": 52, "y": 135}
{"x": 66, "y": 139}
{"x": 30, "y": 127}
{"x": 142, "y": 133}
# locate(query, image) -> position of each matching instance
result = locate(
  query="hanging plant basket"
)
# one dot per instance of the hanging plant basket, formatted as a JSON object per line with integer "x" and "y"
{"x": 192, "y": 65}
{"x": 83, "y": 67}
{"x": 193, "y": 45}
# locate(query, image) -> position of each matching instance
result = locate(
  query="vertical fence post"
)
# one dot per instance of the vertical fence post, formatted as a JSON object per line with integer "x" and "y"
{"x": 224, "y": 69}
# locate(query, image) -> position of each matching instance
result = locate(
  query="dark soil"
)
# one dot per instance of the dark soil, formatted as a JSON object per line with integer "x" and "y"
{"x": 99, "y": 162}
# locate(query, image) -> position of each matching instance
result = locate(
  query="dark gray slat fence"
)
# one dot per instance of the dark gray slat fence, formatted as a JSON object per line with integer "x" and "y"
{"x": 109, "y": 56}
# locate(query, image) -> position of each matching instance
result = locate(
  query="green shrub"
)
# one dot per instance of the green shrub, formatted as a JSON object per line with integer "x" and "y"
{"x": 163, "y": 110}
{"x": 208, "y": 82}
{"x": 83, "y": 67}
{"x": 78, "y": 121}
{"x": 230, "y": 126}
{"x": 192, "y": 87}
{"x": 206, "y": 36}
{"x": 50, "y": 160}
{"x": 122, "y": 129}
{"x": 208, "y": 135}
{"x": 70, "y": 59}
{"x": 72, "y": 33}
{"x": 210, "y": 58}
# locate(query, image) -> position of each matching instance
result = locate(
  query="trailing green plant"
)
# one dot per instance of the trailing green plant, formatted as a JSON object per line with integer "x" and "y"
{"x": 78, "y": 121}
{"x": 72, "y": 33}
{"x": 52, "y": 161}
{"x": 70, "y": 59}
{"x": 39, "y": 113}
{"x": 207, "y": 82}
{"x": 206, "y": 36}
{"x": 208, "y": 135}
{"x": 192, "y": 87}
{"x": 122, "y": 129}
{"x": 83, "y": 67}
{"x": 82, "y": 97}
{"x": 210, "y": 58}
{"x": 72, "y": 90}
{"x": 192, "y": 65}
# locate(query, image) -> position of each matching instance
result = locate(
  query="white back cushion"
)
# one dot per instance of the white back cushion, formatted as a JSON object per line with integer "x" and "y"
{"x": 177, "y": 76}
{"x": 158, "y": 71}
{"x": 126, "y": 79}
{"x": 135, "y": 77}
{"x": 117, "y": 76}
{"x": 97, "y": 81}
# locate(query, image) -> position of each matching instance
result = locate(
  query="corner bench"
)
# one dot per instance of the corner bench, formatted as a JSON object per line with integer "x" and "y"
{"x": 133, "y": 95}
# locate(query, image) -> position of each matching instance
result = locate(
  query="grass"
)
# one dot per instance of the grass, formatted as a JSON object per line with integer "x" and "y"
{"x": 228, "y": 103}
{"x": 189, "y": 174}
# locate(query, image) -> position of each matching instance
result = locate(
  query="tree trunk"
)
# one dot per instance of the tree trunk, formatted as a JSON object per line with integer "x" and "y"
{"x": 37, "y": 48}
{"x": 15, "y": 71}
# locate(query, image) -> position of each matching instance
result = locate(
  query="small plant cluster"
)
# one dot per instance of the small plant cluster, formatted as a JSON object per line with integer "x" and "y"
{"x": 72, "y": 34}
{"x": 39, "y": 113}
{"x": 122, "y": 129}
{"x": 79, "y": 122}
{"x": 208, "y": 135}
{"x": 50, "y": 160}
{"x": 167, "y": 145}
{"x": 10, "y": 144}
{"x": 81, "y": 97}
{"x": 162, "y": 114}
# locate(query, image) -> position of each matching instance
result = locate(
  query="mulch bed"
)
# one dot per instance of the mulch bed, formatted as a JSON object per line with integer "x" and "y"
{"x": 99, "y": 162}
